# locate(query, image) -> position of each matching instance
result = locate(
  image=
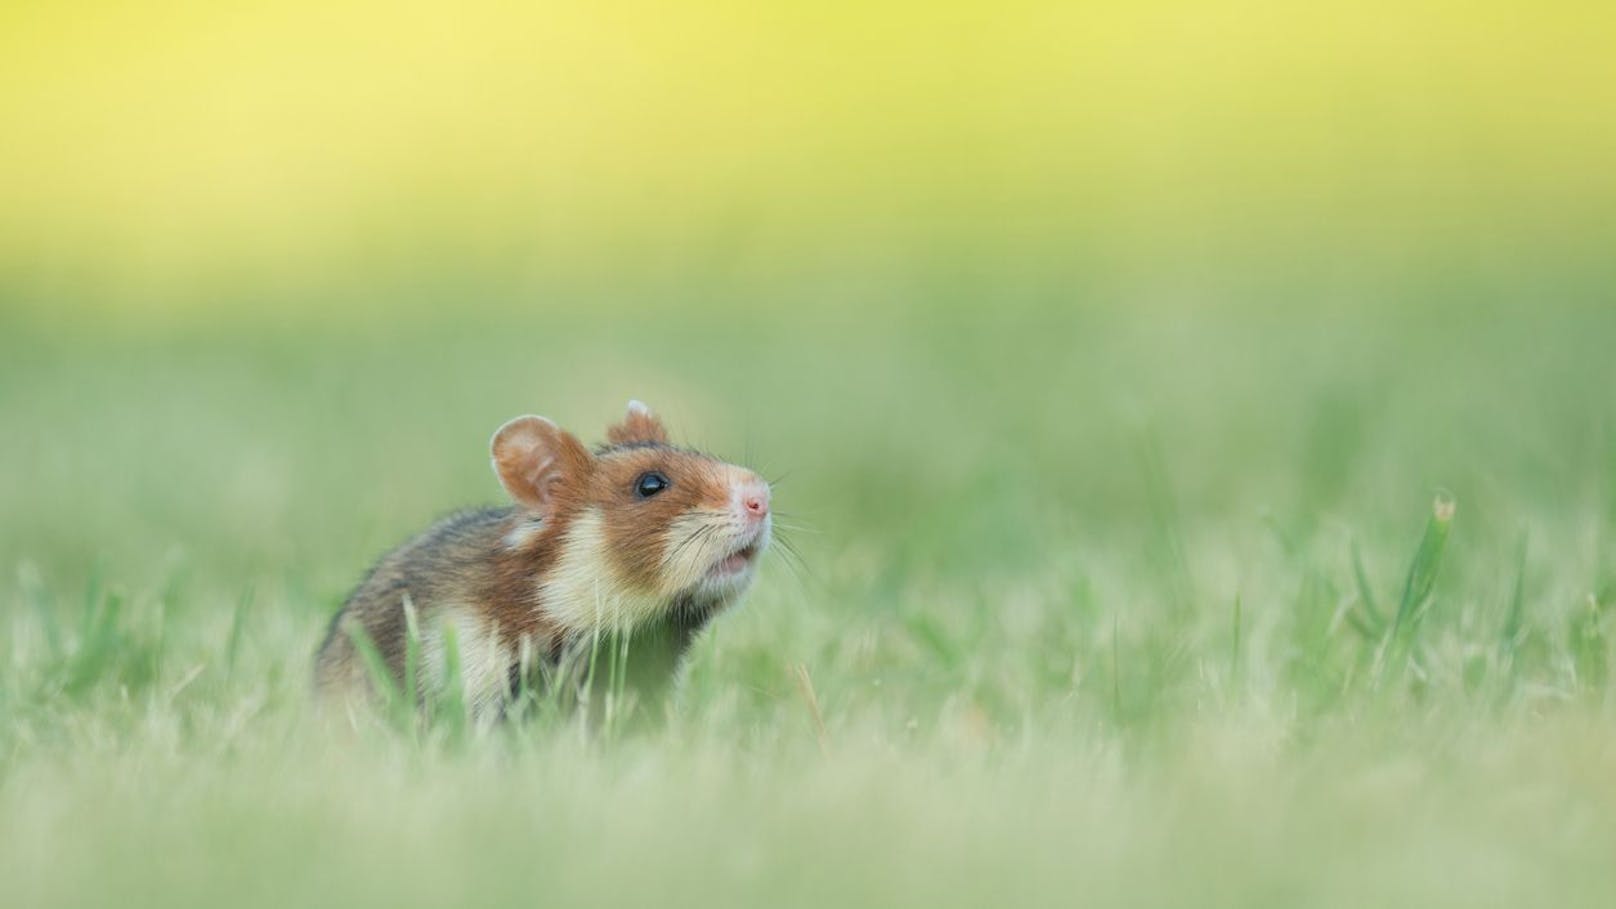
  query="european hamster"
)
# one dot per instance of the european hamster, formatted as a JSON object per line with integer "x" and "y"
{"x": 637, "y": 538}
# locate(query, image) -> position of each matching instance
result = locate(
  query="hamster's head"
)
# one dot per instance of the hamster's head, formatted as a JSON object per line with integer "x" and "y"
{"x": 636, "y": 528}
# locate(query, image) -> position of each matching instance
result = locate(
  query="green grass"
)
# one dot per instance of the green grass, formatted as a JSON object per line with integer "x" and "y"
{"x": 1101, "y": 603}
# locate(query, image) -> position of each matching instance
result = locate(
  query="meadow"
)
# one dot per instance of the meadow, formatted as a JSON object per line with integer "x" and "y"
{"x": 1269, "y": 595}
{"x": 1195, "y": 421}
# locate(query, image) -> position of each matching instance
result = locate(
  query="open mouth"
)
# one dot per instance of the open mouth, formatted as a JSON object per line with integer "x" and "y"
{"x": 734, "y": 563}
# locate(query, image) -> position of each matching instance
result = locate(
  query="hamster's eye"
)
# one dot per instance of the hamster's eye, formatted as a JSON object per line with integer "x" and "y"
{"x": 649, "y": 484}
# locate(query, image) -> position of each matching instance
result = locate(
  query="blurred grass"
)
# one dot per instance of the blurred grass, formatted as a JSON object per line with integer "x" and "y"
{"x": 1112, "y": 356}
{"x": 1076, "y": 609}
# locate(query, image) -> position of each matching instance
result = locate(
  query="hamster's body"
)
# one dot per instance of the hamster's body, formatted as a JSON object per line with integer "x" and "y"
{"x": 638, "y": 541}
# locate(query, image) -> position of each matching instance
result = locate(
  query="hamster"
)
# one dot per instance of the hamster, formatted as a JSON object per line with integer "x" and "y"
{"x": 637, "y": 541}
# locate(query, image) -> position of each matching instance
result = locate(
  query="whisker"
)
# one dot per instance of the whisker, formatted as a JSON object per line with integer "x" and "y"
{"x": 700, "y": 534}
{"x": 796, "y": 575}
{"x": 795, "y": 565}
{"x": 792, "y": 557}
{"x": 685, "y": 543}
{"x": 790, "y": 549}
{"x": 706, "y": 540}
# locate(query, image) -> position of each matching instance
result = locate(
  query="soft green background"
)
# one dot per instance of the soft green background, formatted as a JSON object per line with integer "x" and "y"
{"x": 1090, "y": 343}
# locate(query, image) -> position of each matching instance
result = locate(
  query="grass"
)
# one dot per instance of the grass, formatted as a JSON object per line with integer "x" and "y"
{"x": 1150, "y": 604}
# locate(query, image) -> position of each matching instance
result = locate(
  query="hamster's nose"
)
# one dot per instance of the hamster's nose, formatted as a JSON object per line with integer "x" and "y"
{"x": 755, "y": 499}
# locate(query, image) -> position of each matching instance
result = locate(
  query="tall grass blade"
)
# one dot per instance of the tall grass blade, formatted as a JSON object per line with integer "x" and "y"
{"x": 381, "y": 679}
{"x": 1234, "y": 645}
{"x": 1168, "y": 527}
{"x": 412, "y": 652}
{"x": 805, "y": 687}
{"x": 1368, "y": 618}
{"x": 1116, "y": 672}
{"x": 453, "y": 712}
{"x": 238, "y": 625}
{"x": 33, "y": 590}
{"x": 1427, "y": 559}
{"x": 1398, "y": 640}
{"x": 1509, "y": 640}
{"x": 98, "y": 651}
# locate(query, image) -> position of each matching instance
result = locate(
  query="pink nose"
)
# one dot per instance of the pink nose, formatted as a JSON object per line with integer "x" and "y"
{"x": 756, "y": 502}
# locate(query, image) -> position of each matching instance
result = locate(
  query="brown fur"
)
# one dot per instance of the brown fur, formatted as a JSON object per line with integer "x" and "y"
{"x": 460, "y": 559}
{"x": 640, "y": 425}
{"x": 491, "y": 561}
{"x": 636, "y": 531}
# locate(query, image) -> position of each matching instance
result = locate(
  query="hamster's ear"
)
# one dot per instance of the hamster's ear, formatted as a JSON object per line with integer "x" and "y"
{"x": 639, "y": 425}
{"x": 537, "y": 460}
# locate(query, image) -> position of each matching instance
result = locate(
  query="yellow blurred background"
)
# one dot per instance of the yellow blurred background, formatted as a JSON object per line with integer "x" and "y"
{"x": 159, "y": 156}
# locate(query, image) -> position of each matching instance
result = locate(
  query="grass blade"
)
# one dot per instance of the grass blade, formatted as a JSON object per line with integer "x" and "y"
{"x": 412, "y": 651}
{"x": 1167, "y": 525}
{"x": 238, "y": 623}
{"x": 1396, "y": 644}
{"x": 1234, "y": 646}
{"x": 1427, "y": 559}
{"x": 33, "y": 590}
{"x": 452, "y": 706}
{"x": 1373, "y": 623}
{"x": 381, "y": 679}
{"x": 1509, "y": 640}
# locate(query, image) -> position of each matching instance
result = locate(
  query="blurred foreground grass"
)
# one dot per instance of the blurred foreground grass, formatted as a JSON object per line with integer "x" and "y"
{"x": 1080, "y": 616}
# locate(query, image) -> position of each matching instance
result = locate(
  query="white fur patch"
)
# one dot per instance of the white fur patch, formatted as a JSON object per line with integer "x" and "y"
{"x": 523, "y": 534}
{"x": 688, "y": 562}
{"x": 485, "y": 660}
{"x": 584, "y": 593}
